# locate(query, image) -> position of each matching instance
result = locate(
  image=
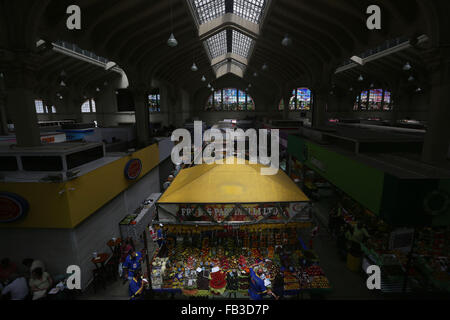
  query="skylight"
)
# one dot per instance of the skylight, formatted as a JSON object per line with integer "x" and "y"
{"x": 249, "y": 9}
{"x": 241, "y": 44}
{"x": 208, "y": 10}
{"x": 217, "y": 44}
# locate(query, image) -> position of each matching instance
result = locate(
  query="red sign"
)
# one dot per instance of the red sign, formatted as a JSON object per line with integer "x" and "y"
{"x": 133, "y": 169}
{"x": 12, "y": 207}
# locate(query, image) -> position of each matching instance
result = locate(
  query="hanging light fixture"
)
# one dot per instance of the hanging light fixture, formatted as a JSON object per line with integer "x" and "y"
{"x": 419, "y": 89}
{"x": 212, "y": 89}
{"x": 255, "y": 74}
{"x": 194, "y": 67}
{"x": 97, "y": 89}
{"x": 62, "y": 83}
{"x": 1, "y": 75}
{"x": 361, "y": 78}
{"x": 249, "y": 85}
{"x": 264, "y": 67}
{"x": 203, "y": 79}
{"x": 407, "y": 66}
{"x": 411, "y": 79}
{"x": 209, "y": 85}
{"x": 287, "y": 41}
{"x": 172, "y": 42}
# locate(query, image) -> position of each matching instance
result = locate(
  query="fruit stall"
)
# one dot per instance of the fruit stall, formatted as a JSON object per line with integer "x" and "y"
{"x": 222, "y": 220}
{"x": 421, "y": 254}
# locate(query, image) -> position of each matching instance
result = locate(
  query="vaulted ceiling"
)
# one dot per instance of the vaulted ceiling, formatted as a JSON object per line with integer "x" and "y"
{"x": 134, "y": 34}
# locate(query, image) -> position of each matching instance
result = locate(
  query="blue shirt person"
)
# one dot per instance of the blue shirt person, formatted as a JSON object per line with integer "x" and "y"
{"x": 136, "y": 287}
{"x": 257, "y": 288}
{"x": 132, "y": 263}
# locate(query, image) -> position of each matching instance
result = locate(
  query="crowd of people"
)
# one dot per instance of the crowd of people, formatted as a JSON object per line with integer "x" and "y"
{"x": 30, "y": 281}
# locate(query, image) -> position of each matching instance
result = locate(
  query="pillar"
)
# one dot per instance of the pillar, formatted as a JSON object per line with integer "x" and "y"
{"x": 321, "y": 99}
{"x": 3, "y": 121}
{"x": 437, "y": 137}
{"x": 286, "y": 99}
{"x": 20, "y": 82}
{"x": 142, "y": 116}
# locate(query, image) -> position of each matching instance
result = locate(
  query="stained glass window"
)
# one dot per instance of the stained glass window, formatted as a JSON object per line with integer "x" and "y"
{"x": 154, "y": 101}
{"x": 301, "y": 99}
{"x": 281, "y": 105}
{"x": 364, "y": 97}
{"x": 374, "y": 100}
{"x": 229, "y": 99}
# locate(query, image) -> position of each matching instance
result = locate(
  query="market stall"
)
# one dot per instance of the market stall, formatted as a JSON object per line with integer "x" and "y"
{"x": 222, "y": 220}
{"x": 412, "y": 260}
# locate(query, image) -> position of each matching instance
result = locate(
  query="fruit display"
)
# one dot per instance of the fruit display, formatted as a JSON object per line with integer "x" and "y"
{"x": 216, "y": 260}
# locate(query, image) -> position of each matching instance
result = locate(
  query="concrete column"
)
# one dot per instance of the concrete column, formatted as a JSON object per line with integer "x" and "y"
{"x": 20, "y": 81}
{"x": 437, "y": 138}
{"x": 142, "y": 116}
{"x": 3, "y": 121}
{"x": 286, "y": 98}
{"x": 321, "y": 99}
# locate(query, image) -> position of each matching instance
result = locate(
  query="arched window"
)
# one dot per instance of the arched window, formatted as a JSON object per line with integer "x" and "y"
{"x": 41, "y": 108}
{"x": 39, "y": 104}
{"x": 154, "y": 101}
{"x": 373, "y": 100}
{"x": 281, "y": 105}
{"x": 88, "y": 106}
{"x": 230, "y": 99}
{"x": 301, "y": 99}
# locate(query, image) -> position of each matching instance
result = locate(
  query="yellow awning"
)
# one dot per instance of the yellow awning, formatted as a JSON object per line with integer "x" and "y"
{"x": 231, "y": 183}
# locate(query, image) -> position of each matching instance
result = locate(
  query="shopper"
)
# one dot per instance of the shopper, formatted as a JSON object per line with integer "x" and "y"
{"x": 32, "y": 264}
{"x": 7, "y": 269}
{"x": 17, "y": 289}
{"x": 124, "y": 251}
{"x": 360, "y": 234}
{"x": 132, "y": 264}
{"x": 40, "y": 283}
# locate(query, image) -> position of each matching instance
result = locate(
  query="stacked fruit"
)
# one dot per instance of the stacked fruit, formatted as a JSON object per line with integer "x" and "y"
{"x": 290, "y": 281}
{"x": 314, "y": 271}
{"x": 320, "y": 282}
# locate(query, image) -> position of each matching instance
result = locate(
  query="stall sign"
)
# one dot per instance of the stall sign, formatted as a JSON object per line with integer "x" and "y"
{"x": 12, "y": 207}
{"x": 133, "y": 169}
{"x": 222, "y": 212}
{"x": 300, "y": 211}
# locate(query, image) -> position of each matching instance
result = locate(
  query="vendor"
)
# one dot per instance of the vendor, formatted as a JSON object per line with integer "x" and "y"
{"x": 360, "y": 233}
{"x": 257, "y": 288}
{"x": 132, "y": 264}
{"x": 160, "y": 236}
{"x": 136, "y": 286}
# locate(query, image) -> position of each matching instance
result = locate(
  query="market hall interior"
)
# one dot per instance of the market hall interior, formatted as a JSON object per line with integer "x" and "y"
{"x": 92, "y": 90}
